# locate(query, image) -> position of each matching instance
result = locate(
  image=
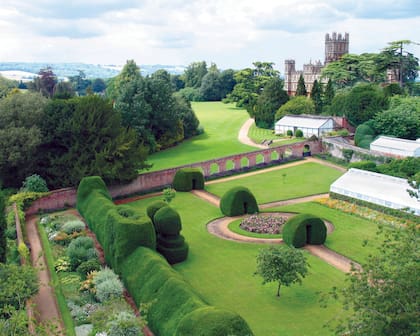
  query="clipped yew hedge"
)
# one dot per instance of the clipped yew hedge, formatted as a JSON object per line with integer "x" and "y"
{"x": 187, "y": 179}
{"x": 238, "y": 201}
{"x": 119, "y": 229}
{"x": 153, "y": 207}
{"x": 176, "y": 308}
{"x": 304, "y": 229}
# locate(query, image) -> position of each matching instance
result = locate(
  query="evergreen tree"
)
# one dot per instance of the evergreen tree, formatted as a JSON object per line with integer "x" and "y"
{"x": 329, "y": 93}
{"x": 301, "y": 87}
{"x": 316, "y": 96}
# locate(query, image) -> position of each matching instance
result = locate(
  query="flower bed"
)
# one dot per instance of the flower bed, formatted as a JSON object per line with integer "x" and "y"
{"x": 263, "y": 223}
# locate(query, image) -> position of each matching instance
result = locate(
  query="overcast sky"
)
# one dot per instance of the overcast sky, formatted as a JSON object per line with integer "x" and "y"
{"x": 230, "y": 33}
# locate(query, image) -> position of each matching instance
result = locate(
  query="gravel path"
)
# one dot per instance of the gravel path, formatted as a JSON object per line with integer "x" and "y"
{"x": 46, "y": 308}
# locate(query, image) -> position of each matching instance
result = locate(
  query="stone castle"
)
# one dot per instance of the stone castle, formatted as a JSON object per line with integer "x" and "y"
{"x": 336, "y": 46}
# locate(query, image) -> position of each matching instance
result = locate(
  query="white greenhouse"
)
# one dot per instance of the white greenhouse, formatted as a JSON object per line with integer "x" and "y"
{"x": 396, "y": 146}
{"x": 308, "y": 124}
{"x": 385, "y": 190}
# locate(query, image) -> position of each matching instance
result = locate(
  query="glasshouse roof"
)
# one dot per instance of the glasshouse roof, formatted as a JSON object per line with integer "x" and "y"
{"x": 303, "y": 121}
{"x": 376, "y": 188}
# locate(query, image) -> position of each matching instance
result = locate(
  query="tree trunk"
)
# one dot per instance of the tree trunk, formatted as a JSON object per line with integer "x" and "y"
{"x": 278, "y": 289}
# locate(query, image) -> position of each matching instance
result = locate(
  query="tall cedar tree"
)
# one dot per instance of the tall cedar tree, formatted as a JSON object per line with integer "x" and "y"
{"x": 301, "y": 87}
{"x": 316, "y": 96}
{"x": 3, "y": 227}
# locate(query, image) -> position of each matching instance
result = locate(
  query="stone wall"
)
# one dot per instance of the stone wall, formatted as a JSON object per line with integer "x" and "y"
{"x": 64, "y": 198}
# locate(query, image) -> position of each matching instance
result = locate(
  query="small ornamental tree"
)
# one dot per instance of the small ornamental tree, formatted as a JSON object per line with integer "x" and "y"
{"x": 284, "y": 265}
{"x": 298, "y": 133}
{"x": 35, "y": 183}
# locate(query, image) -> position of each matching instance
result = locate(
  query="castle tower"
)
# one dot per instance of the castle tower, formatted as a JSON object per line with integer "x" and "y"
{"x": 335, "y": 46}
{"x": 289, "y": 70}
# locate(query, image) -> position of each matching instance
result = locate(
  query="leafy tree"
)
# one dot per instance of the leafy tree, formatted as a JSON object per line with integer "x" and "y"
{"x": 190, "y": 94}
{"x": 250, "y": 83}
{"x": 382, "y": 299}
{"x": 19, "y": 283}
{"x": 211, "y": 87}
{"x": 194, "y": 74}
{"x": 329, "y": 93}
{"x": 296, "y": 105}
{"x": 177, "y": 82}
{"x": 316, "y": 96}
{"x": 269, "y": 101}
{"x": 227, "y": 82}
{"x": 283, "y": 265}
{"x": 98, "y": 85}
{"x": 130, "y": 73}
{"x": 63, "y": 90}
{"x": 187, "y": 116}
{"x": 45, "y": 82}
{"x": 401, "y": 120}
{"x": 20, "y": 115}
{"x": 3, "y": 228}
{"x": 301, "y": 87}
{"x": 6, "y": 85}
{"x": 360, "y": 104}
{"x": 34, "y": 183}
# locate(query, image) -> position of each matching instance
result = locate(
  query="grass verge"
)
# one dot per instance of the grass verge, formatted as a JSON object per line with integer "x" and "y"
{"x": 61, "y": 301}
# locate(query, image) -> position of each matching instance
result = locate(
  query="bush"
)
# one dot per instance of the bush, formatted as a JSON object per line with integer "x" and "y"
{"x": 34, "y": 183}
{"x": 298, "y": 133}
{"x": 365, "y": 165}
{"x": 88, "y": 266}
{"x": 304, "y": 229}
{"x": 238, "y": 201}
{"x": 124, "y": 324}
{"x": 289, "y": 133}
{"x": 187, "y": 179}
{"x": 112, "y": 288}
{"x": 79, "y": 250}
{"x": 104, "y": 275}
{"x": 73, "y": 226}
{"x": 364, "y": 133}
{"x": 210, "y": 321}
{"x": 154, "y": 207}
{"x": 167, "y": 221}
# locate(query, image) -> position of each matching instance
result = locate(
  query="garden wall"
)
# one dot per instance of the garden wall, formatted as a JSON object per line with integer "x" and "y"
{"x": 350, "y": 153}
{"x": 64, "y": 198}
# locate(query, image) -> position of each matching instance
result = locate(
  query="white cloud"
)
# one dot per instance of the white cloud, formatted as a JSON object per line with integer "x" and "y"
{"x": 229, "y": 32}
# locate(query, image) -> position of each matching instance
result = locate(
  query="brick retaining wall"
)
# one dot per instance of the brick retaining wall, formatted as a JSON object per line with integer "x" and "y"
{"x": 64, "y": 198}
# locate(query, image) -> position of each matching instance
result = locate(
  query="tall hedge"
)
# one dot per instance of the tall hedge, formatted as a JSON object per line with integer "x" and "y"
{"x": 187, "y": 179}
{"x": 176, "y": 309}
{"x": 304, "y": 229}
{"x": 119, "y": 229}
{"x": 238, "y": 201}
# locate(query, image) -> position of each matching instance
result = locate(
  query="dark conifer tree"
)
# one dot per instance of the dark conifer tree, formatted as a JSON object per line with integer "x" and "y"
{"x": 301, "y": 87}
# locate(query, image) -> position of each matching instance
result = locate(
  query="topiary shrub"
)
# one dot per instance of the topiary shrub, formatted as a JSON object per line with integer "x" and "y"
{"x": 187, "y": 179}
{"x": 298, "y": 133}
{"x": 238, "y": 201}
{"x": 211, "y": 321}
{"x": 304, "y": 229}
{"x": 153, "y": 207}
{"x": 170, "y": 243}
{"x": 289, "y": 133}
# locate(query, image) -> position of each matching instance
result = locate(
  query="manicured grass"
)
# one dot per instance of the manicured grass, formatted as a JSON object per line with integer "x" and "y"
{"x": 302, "y": 180}
{"x": 221, "y": 123}
{"x": 222, "y": 272}
{"x": 234, "y": 227}
{"x": 258, "y": 135}
{"x": 351, "y": 232}
{"x": 61, "y": 301}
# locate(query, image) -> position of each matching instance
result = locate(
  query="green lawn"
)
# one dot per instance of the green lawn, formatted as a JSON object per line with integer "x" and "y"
{"x": 221, "y": 123}
{"x": 258, "y": 135}
{"x": 350, "y": 234}
{"x": 302, "y": 180}
{"x": 222, "y": 272}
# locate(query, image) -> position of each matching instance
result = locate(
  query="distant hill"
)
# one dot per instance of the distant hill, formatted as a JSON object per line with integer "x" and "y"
{"x": 63, "y": 70}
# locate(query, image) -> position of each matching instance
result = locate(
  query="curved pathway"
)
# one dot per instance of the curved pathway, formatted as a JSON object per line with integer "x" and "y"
{"x": 243, "y": 135}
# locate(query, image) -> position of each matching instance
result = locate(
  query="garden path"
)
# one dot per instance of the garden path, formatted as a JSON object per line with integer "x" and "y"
{"x": 46, "y": 308}
{"x": 243, "y": 135}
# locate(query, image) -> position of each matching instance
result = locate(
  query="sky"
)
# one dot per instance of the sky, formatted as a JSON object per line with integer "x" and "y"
{"x": 230, "y": 33}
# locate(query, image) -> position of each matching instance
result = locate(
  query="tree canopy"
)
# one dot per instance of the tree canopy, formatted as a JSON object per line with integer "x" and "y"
{"x": 296, "y": 105}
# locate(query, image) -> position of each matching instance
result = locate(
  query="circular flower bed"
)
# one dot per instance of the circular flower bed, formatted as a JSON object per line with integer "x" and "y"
{"x": 260, "y": 223}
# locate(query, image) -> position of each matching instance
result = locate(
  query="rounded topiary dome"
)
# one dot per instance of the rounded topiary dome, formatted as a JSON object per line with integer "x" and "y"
{"x": 304, "y": 229}
{"x": 187, "y": 179}
{"x": 154, "y": 207}
{"x": 238, "y": 201}
{"x": 167, "y": 221}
